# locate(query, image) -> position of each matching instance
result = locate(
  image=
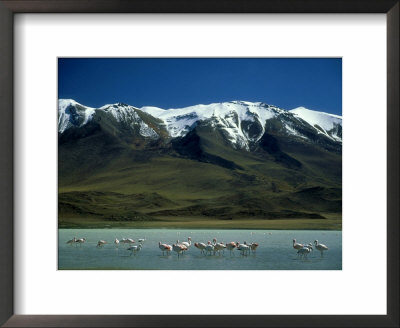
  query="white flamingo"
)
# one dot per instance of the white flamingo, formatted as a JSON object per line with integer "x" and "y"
{"x": 200, "y": 246}
{"x": 243, "y": 248}
{"x": 321, "y": 247}
{"x": 209, "y": 248}
{"x": 80, "y": 241}
{"x": 297, "y": 245}
{"x": 130, "y": 241}
{"x": 304, "y": 251}
{"x": 231, "y": 246}
{"x": 72, "y": 241}
{"x": 164, "y": 247}
{"x": 141, "y": 240}
{"x": 134, "y": 249}
{"x": 101, "y": 243}
{"x": 187, "y": 243}
{"x": 309, "y": 246}
{"x": 116, "y": 242}
{"x": 178, "y": 248}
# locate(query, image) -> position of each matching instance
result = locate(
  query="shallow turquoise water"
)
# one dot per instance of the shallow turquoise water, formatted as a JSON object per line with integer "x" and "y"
{"x": 274, "y": 253}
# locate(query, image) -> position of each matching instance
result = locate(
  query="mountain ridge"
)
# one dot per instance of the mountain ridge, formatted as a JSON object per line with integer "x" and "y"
{"x": 224, "y": 161}
{"x": 244, "y": 123}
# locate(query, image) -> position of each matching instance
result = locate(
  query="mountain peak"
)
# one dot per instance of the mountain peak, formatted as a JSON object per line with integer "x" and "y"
{"x": 242, "y": 123}
{"x": 66, "y": 101}
{"x": 72, "y": 113}
{"x": 301, "y": 109}
{"x": 117, "y": 105}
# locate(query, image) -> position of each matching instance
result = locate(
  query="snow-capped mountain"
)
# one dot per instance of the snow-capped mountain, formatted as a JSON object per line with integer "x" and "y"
{"x": 325, "y": 123}
{"x": 229, "y": 114}
{"x": 234, "y": 118}
{"x": 232, "y": 160}
{"x": 73, "y": 114}
{"x": 129, "y": 115}
{"x": 242, "y": 123}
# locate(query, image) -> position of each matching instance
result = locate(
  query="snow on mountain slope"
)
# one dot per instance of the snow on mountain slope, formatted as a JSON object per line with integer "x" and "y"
{"x": 242, "y": 123}
{"x": 124, "y": 113}
{"x": 71, "y": 113}
{"x": 228, "y": 116}
{"x": 329, "y": 123}
{"x": 180, "y": 120}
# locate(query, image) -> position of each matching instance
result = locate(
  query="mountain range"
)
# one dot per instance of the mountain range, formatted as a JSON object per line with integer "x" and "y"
{"x": 227, "y": 161}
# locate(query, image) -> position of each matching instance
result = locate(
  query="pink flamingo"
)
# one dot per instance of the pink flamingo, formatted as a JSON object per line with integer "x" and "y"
{"x": 165, "y": 248}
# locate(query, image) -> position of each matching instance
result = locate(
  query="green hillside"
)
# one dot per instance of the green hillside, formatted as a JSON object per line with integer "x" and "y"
{"x": 108, "y": 178}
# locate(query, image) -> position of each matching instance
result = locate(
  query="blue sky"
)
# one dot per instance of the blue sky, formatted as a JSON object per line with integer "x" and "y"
{"x": 315, "y": 83}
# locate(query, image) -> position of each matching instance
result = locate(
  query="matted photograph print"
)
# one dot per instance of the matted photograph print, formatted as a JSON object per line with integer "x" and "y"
{"x": 200, "y": 163}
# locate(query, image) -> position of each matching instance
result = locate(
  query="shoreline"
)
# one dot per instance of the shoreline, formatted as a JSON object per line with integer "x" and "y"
{"x": 162, "y": 228}
{"x": 197, "y": 228}
{"x": 197, "y": 223}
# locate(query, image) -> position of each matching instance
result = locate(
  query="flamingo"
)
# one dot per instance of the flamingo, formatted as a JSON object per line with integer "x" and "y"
{"x": 309, "y": 246}
{"x": 187, "y": 243}
{"x": 253, "y": 247}
{"x": 124, "y": 241}
{"x": 116, "y": 242}
{"x": 200, "y": 246}
{"x": 134, "y": 249}
{"x": 321, "y": 247}
{"x": 184, "y": 245}
{"x": 244, "y": 248}
{"x": 304, "y": 251}
{"x": 127, "y": 241}
{"x": 178, "y": 248}
{"x": 297, "y": 245}
{"x": 101, "y": 243}
{"x": 231, "y": 246}
{"x": 141, "y": 240}
{"x": 80, "y": 241}
{"x": 218, "y": 246}
{"x": 72, "y": 241}
{"x": 164, "y": 248}
{"x": 209, "y": 248}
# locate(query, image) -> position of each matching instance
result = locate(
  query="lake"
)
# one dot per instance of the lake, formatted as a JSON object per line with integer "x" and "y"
{"x": 275, "y": 251}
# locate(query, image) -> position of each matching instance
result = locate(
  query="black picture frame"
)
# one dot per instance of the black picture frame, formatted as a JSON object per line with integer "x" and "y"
{"x": 10, "y": 7}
